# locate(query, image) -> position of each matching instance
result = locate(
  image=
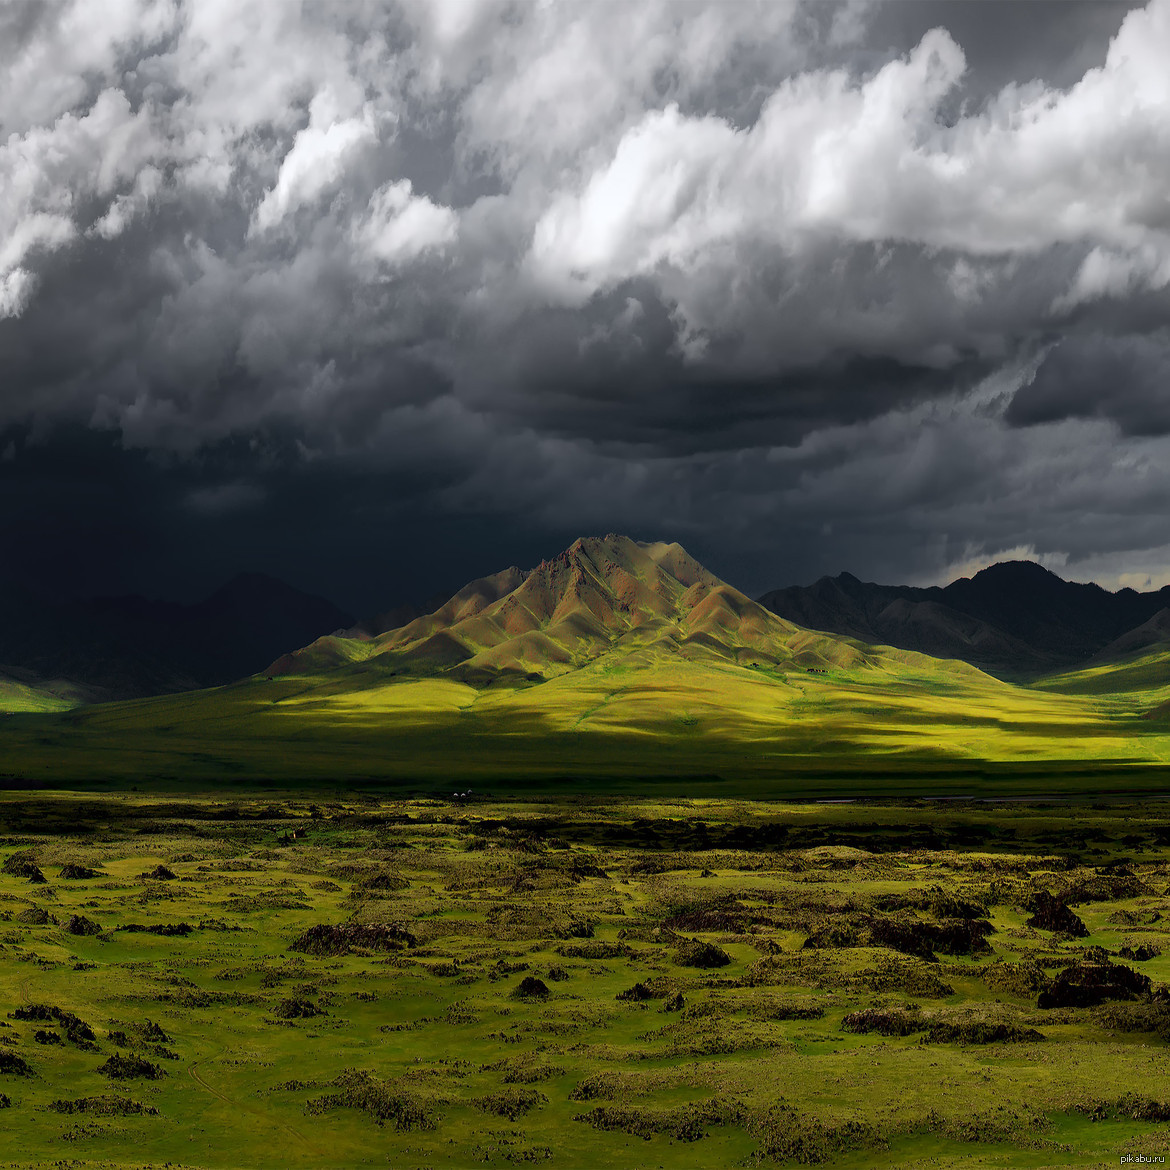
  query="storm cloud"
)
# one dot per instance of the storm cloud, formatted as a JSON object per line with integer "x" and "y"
{"x": 806, "y": 286}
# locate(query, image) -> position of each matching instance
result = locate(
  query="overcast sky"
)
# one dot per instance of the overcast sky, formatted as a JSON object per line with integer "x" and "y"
{"x": 381, "y": 297}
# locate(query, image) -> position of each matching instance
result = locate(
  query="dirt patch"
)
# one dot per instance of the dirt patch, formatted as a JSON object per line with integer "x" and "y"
{"x": 351, "y": 936}
{"x": 595, "y": 950}
{"x": 382, "y": 1100}
{"x": 79, "y": 873}
{"x": 106, "y": 1105}
{"x": 510, "y": 1103}
{"x": 907, "y": 936}
{"x": 163, "y": 929}
{"x": 79, "y": 924}
{"x": 703, "y": 955}
{"x": 684, "y": 1123}
{"x": 15, "y": 1066}
{"x": 638, "y": 993}
{"x": 295, "y": 1008}
{"x": 1050, "y": 913}
{"x": 125, "y": 1068}
{"x": 885, "y": 1022}
{"x": 531, "y": 988}
{"x": 77, "y": 1031}
{"x": 1088, "y": 984}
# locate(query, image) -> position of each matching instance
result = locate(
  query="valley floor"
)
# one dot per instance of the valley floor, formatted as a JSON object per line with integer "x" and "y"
{"x": 225, "y": 980}
{"x": 899, "y": 728}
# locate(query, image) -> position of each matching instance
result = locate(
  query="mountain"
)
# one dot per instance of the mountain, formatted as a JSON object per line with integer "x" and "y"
{"x": 614, "y": 659}
{"x": 600, "y": 596}
{"x": 121, "y": 647}
{"x": 1015, "y": 619}
{"x": 617, "y": 660}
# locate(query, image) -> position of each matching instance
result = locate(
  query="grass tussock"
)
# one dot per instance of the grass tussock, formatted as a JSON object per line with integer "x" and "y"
{"x": 381, "y": 1100}
{"x": 104, "y": 1105}
{"x": 512, "y": 1103}
{"x": 683, "y": 1123}
{"x": 127, "y": 1067}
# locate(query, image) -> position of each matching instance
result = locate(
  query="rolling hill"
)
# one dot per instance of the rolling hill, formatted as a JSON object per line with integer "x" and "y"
{"x": 21, "y": 691}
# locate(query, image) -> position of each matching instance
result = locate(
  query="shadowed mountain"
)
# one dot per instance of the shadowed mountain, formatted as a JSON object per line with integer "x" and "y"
{"x": 599, "y": 596}
{"x": 119, "y": 647}
{"x": 1013, "y": 619}
{"x": 394, "y": 617}
{"x": 1153, "y": 635}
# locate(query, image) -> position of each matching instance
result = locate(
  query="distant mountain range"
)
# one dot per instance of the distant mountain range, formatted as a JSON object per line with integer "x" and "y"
{"x": 123, "y": 647}
{"x": 1015, "y": 619}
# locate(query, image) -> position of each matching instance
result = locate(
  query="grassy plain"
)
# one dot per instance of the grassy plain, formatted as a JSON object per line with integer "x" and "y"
{"x": 904, "y": 724}
{"x": 365, "y": 981}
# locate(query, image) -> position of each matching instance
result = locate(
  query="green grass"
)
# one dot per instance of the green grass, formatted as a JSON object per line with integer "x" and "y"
{"x": 496, "y": 891}
{"x": 904, "y": 725}
{"x": 1141, "y": 680}
{"x": 18, "y": 696}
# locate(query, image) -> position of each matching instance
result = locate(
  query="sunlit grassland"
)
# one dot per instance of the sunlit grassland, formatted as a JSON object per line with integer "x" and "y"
{"x": 591, "y": 897}
{"x": 905, "y": 724}
{"x": 1135, "y": 683}
{"x": 18, "y": 696}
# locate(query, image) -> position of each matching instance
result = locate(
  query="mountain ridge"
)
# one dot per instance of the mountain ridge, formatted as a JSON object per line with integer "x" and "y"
{"x": 1014, "y": 619}
{"x": 605, "y": 600}
{"x": 600, "y": 596}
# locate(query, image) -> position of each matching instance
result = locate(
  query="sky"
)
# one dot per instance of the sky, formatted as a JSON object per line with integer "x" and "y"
{"x": 379, "y": 298}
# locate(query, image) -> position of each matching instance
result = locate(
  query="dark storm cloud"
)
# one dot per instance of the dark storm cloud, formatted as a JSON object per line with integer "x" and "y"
{"x": 1124, "y": 379}
{"x": 782, "y": 281}
{"x": 1050, "y": 41}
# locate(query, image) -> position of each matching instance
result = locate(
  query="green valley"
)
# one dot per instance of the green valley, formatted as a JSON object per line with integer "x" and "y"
{"x": 621, "y": 663}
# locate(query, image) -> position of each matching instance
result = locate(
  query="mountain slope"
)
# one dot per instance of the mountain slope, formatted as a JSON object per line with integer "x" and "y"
{"x": 601, "y": 596}
{"x": 1153, "y": 635}
{"x": 1014, "y": 619}
{"x": 21, "y": 691}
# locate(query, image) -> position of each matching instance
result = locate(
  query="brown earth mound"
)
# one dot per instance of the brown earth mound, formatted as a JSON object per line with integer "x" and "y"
{"x": 350, "y": 936}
